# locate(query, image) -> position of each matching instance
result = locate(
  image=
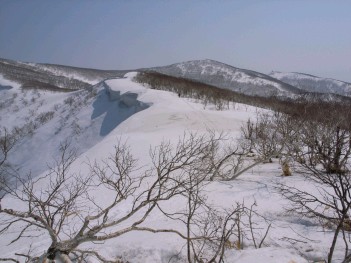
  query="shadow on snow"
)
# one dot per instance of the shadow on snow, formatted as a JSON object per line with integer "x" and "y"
{"x": 117, "y": 108}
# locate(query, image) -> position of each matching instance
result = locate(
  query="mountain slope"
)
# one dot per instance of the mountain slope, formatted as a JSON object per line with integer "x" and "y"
{"x": 96, "y": 119}
{"x": 312, "y": 83}
{"x": 284, "y": 85}
{"x": 228, "y": 77}
{"x": 44, "y": 119}
{"x": 53, "y": 77}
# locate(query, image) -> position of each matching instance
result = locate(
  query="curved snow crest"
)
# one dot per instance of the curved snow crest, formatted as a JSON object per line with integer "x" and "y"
{"x": 124, "y": 89}
{"x": 117, "y": 100}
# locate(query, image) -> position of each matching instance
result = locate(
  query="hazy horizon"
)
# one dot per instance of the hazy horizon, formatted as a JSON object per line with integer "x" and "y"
{"x": 310, "y": 37}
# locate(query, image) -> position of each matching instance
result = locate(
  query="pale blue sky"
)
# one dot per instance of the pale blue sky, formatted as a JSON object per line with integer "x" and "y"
{"x": 311, "y": 36}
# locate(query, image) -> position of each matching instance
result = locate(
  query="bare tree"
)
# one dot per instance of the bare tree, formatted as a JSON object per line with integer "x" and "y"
{"x": 48, "y": 209}
{"x": 320, "y": 141}
{"x": 268, "y": 137}
{"x": 208, "y": 231}
{"x": 330, "y": 204}
{"x": 7, "y": 142}
{"x": 264, "y": 136}
{"x": 224, "y": 159}
{"x": 328, "y": 144}
{"x": 247, "y": 132}
{"x": 322, "y": 147}
{"x": 61, "y": 206}
{"x": 314, "y": 142}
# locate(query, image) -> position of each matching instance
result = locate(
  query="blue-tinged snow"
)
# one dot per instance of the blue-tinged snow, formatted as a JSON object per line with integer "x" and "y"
{"x": 120, "y": 109}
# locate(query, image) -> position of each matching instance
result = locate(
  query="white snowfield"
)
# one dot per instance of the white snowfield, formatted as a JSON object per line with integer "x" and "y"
{"x": 143, "y": 117}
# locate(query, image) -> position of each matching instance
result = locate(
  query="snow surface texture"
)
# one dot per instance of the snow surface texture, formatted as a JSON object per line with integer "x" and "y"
{"x": 121, "y": 109}
{"x": 48, "y": 118}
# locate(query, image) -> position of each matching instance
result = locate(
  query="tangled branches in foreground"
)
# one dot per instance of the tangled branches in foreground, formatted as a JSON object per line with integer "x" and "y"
{"x": 65, "y": 206}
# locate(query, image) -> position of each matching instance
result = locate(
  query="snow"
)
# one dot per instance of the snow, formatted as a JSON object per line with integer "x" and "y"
{"x": 301, "y": 76}
{"x": 123, "y": 109}
{"x": 313, "y": 83}
{"x": 208, "y": 67}
{"x": 227, "y": 77}
{"x": 272, "y": 255}
{"x": 63, "y": 73}
{"x": 4, "y": 82}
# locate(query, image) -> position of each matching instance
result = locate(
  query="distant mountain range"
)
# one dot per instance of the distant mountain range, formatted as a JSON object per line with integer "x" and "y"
{"x": 313, "y": 83}
{"x": 224, "y": 76}
{"x": 286, "y": 85}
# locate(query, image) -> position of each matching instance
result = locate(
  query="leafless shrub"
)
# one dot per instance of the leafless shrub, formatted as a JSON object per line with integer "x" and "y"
{"x": 61, "y": 206}
{"x": 69, "y": 101}
{"x": 7, "y": 141}
{"x": 225, "y": 158}
{"x": 44, "y": 117}
{"x": 330, "y": 204}
{"x": 322, "y": 149}
{"x": 247, "y": 132}
{"x": 254, "y": 231}
{"x": 328, "y": 145}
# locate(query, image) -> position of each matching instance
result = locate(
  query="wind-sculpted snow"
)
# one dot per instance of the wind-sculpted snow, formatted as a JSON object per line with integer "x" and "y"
{"x": 94, "y": 119}
{"x": 45, "y": 119}
{"x": 117, "y": 106}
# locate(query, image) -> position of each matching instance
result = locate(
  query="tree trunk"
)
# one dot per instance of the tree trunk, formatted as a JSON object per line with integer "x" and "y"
{"x": 61, "y": 249}
{"x": 332, "y": 247}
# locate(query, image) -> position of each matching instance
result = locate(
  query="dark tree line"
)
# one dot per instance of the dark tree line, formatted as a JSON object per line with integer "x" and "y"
{"x": 308, "y": 106}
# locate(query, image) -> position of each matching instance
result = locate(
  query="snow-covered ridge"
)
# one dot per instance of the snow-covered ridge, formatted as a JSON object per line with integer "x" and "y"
{"x": 228, "y": 77}
{"x": 288, "y": 85}
{"x": 94, "y": 119}
{"x": 65, "y": 73}
{"x": 312, "y": 83}
{"x": 49, "y": 118}
{"x": 57, "y": 76}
